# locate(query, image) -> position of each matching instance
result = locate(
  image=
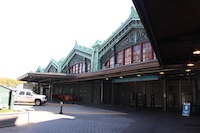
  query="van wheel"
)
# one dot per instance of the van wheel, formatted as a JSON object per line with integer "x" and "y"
{"x": 37, "y": 102}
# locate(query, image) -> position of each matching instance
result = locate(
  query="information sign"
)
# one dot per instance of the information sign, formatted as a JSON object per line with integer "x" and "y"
{"x": 186, "y": 109}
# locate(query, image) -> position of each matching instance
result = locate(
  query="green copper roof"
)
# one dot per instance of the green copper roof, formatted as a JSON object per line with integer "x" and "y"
{"x": 109, "y": 43}
{"x": 53, "y": 63}
{"x": 133, "y": 13}
{"x": 40, "y": 69}
{"x": 80, "y": 50}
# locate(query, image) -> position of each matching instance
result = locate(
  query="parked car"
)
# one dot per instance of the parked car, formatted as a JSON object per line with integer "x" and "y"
{"x": 28, "y": 96}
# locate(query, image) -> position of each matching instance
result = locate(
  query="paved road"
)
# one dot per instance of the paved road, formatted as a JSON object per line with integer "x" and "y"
{"x": 102, "y": 119}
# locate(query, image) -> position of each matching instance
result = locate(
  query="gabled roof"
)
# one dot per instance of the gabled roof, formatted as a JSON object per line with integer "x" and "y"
{"x": 60, "y": 62}
{"x": 79, "y": 50}
{"x": 40, "y": 69}
{"x": 53, "y": 63}
{"x": 8, "y": 88}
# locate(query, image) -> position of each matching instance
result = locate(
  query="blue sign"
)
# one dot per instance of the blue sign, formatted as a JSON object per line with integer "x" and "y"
{"x": 186, "y": 109}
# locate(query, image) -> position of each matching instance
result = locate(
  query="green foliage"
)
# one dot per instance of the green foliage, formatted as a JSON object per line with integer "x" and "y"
{"x": 5, "y": 110}
{"x": 10, "y": 82}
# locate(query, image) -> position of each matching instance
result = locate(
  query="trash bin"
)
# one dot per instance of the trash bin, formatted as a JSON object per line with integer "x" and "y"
{"x": 7, "y": 96}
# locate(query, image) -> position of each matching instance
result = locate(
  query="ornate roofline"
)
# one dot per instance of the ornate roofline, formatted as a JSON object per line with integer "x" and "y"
{"x": 78, "y": 49}
{"x": 133, "y": 21}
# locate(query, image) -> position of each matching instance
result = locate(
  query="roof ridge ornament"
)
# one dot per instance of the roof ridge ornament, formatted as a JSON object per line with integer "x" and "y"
{"x": 97, "y": 43}
{"x": 76, "y": 43}
{"x": 133, "y": 13}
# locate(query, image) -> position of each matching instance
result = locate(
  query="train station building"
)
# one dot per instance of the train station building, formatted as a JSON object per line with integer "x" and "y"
{"x": 127, "y": 69}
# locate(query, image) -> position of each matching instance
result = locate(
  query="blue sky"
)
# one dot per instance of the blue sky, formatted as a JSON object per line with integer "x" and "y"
{"x": 32, "y": 32}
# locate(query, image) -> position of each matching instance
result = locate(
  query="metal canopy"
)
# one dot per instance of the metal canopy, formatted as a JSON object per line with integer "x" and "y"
{"x": 173, "y": 28}
{"x": 148, "y": 67}
{"x": 44, "y": 77}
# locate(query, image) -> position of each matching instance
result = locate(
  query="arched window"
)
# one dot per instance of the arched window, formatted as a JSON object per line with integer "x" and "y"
{"x": 112, "y": 61}
{"x": 83, "y": 67}
{"x": 127, "y": 56}
{"x": 77, "y": 66}
{"x": 80, "y": 68}
{"x": 88, "y": 67}
{"x": 134, "y": 54}
{"x": 147, "y": 51}
{"x": 74, "y": 68}
{"x": 107, "y": 64}
{"x": 120, "y": 58}
{"x": 137, "y": 53}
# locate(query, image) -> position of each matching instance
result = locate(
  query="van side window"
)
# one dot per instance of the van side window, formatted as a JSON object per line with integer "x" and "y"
{"x": 21, "y": 93}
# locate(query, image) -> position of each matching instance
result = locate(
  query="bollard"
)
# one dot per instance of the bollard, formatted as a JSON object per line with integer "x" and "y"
{"x": 61, "y": 105}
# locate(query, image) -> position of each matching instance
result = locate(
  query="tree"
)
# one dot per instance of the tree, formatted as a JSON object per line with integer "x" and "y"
{"x": 10, "y": 82}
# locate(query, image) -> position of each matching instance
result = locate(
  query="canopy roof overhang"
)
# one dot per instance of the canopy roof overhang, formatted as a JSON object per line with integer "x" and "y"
{"x": 44, "y": 77}
{"x": 173, "y": 28}
{"x": 144, "y": 68}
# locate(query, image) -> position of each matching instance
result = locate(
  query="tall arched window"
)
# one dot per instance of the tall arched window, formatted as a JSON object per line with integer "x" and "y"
{"x": 147, "y": 51}
{"x": 107, "y": 64}
{"x": 88, "y": 67}
{"x": 77, "y": 66}
{"x": 120, "y": 58}
{"x": 74, "y": 68}
{"x": 127, "y": 56}
{"x": 137, "y": 53}
{"x": 83, "y": 67}
{"x": 112, "y": 61}
{"x": 71, "y": 70}
{"x": 80, "y": 68}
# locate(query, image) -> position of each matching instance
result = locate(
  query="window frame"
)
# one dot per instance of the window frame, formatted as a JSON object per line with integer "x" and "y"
{"x": 147, "y": 53}
{"x": 128, "y": 56}
{"x": 137, "y": 53}
{"x": 120, "y": 56}
{"x": 112, "y": 62}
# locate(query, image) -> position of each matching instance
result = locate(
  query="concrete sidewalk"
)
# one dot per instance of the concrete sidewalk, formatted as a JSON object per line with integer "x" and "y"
{"x": 104, "y": 119}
